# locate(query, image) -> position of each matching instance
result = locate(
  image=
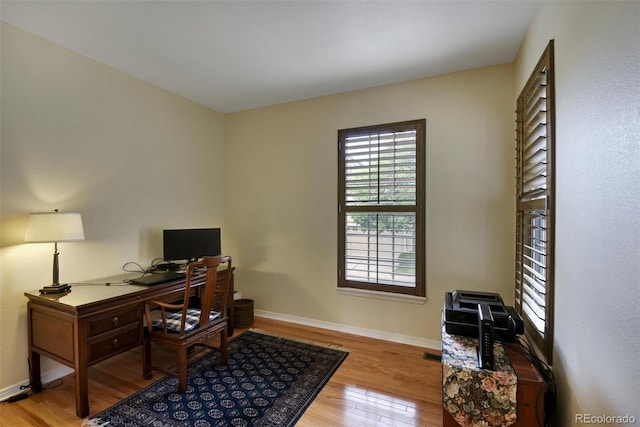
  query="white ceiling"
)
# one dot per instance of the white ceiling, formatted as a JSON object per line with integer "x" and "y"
{"x": 238, "y": 55}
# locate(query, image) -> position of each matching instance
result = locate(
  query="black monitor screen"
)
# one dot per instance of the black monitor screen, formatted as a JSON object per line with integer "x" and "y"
{"x": 191, "y": 244}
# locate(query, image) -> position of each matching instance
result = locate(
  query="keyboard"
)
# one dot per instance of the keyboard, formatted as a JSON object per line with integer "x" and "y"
{"x": 158, "y": 278}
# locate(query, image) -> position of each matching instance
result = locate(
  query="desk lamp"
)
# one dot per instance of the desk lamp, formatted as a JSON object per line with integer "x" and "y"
{"x": 54, "y": 227}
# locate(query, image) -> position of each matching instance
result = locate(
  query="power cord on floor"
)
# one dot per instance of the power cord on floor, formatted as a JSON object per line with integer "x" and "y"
{"x": 27, "y": 388}
{"x": 17, "y": 397}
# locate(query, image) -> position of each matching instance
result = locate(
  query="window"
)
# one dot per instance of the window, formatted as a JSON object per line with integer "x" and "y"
{"x": 535, "y": 200}
{"x": 381, "y": 208}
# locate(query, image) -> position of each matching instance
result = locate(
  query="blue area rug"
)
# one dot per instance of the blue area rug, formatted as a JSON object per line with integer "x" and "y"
{"x": 268, "y": 381}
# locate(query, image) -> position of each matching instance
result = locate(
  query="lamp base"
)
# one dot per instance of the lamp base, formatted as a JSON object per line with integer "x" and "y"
{"x": 55, "y": 289}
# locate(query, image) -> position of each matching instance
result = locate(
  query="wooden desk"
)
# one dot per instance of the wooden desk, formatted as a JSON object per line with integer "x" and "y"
{"x": 92, "y": 323}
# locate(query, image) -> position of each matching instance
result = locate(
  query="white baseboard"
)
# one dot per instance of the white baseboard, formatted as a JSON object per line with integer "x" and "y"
{"x": 47, "y": 377}
{"x": 402, "y": 339}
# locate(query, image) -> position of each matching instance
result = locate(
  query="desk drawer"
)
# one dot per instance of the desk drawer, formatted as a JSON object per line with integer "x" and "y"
{"x": 111, "y": 344}
{"x": 113, "y": 320}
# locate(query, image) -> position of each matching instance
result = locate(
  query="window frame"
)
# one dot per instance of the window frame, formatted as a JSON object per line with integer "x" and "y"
{"x": 535, "y": 207}
{"x": 418, "y": 208}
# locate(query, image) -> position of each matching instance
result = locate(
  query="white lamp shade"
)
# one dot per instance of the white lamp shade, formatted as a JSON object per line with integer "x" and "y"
{"x": 54, "y": 227}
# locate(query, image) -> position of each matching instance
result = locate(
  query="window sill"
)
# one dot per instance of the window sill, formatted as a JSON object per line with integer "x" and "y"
{"x": 410, "y": 299}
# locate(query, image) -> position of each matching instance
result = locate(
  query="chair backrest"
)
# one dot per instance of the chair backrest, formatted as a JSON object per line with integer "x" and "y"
{"x": 211, "y": 292}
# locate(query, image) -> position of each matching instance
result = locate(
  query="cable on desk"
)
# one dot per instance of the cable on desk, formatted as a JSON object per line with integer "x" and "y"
{"x": 157, "y": 261}
{"x": 139, "y": 270}
{"x": 118, "y": 283}
{"x": 156, "y": 265}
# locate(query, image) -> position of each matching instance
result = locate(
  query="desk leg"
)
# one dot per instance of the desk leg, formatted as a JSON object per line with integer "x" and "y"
{"x": 81, "y": 371}
{"x": 34, "y": 373}
{"x": 82, "y": 391}
{"x": 35, "y": 376}
{"x": 231, "y": 315}
{"x": 231, "y": 305}
{"x": 224, "y": 352}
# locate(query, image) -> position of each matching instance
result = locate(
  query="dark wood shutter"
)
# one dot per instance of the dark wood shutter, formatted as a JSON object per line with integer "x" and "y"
{"x": 381, "y": 207}
{"x": 535, "y": 200}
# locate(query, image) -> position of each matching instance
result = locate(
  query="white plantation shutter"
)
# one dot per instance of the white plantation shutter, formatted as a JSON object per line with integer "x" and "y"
{"x": 535, "y": 204}
{"x": 381, "y": 208}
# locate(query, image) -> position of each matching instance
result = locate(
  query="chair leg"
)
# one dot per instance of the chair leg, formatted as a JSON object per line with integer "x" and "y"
{"x": 146, "y": 359}
{"x": 224, "y": 352}
{"x": 182, "y": 369}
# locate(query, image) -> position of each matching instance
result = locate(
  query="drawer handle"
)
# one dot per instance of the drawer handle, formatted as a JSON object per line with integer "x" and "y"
{"x": 115, "y": 321}
{"x": 115, "y": 342}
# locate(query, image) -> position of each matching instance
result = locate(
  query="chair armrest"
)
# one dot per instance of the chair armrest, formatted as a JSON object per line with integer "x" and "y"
{"x": 163, "y": 307}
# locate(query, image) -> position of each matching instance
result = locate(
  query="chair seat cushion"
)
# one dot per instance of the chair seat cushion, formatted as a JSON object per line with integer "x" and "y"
{"x": 174, "y": 320}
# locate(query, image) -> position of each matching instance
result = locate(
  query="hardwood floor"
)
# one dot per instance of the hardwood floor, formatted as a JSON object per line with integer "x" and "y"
{"x": 379, "y": 384}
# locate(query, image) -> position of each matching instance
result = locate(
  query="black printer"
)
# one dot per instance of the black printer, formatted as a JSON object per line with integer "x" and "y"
{"x": 461, "y": 315}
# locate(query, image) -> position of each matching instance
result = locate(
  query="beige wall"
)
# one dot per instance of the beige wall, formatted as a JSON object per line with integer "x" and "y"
{"x": 596, "y": 345}
{"x": 282, "y": 195}
{"x": 78, "y": 135}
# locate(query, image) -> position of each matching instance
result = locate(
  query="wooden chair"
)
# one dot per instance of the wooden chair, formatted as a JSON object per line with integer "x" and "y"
{"x": 183, "y": 327}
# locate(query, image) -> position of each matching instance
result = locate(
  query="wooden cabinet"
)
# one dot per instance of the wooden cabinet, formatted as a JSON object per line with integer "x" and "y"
{"x": 529, "y": 394}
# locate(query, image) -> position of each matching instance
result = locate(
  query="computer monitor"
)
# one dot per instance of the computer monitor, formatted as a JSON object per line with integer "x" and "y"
{"x": 191, "y": 244}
